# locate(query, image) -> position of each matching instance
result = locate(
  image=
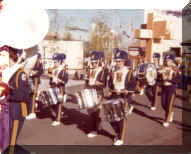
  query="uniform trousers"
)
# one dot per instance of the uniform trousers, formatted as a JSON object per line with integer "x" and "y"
{"x": 150, "y": 93}
{"x": 167, "y": 93}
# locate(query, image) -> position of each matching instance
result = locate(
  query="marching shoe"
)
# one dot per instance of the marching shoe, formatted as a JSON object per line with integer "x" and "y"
{"x": 165, "y": 124}
{"x": 131, "y": 110}
{"x": 153, "y": 108}
{"x": 171, "y": 117}
{"x": 55, "y": 123}
{"x": 31, "y": 116}
{"x": 142, "y": 92}
{"x": 91, "y": 135}
{"x": 118, "y": 142}
{"x": 36, "y": 105}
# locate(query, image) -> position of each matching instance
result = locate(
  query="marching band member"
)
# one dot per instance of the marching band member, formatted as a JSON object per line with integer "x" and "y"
{"x": 97, "y": 80}
{"x": 152, "y": 91}
{"x": 35, "y": 74}
{"x": 4, "y": 105}
{"x": 121, "y": 79}
{"x": 4, "y": 116}
{"x": 169, "y": 80}
{"x": 140, "y": 69}
{"x": 19, "y": 96}
{"x": 57, "y": 83}
{"x": 181, "y": 83}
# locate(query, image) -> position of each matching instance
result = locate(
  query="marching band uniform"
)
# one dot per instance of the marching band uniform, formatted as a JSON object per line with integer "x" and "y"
{"x": 37, "y": 71}
{"x": 4, "y": 117}
{"x": 152, "y": 91}
{"x": 57, "y": 85}
{"x": 121, "y": 79}
{"x": 140, "y": 69}
{"x": 19, "y": 96}
{"x": 169, "y": 80}
{"x": 20, "y": 102}
{"x": 96, "y": 80}
{"x": 181, "y": 83}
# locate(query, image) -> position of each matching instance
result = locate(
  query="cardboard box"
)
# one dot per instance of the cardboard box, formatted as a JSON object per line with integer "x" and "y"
{"x": 143, "y": 33}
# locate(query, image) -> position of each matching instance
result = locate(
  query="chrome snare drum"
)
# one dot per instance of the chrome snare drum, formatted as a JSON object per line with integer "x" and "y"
{"x": 87, "y": 98}
{"x": 114, "y": 110}
{"x": 51, "y": 96}
{"x": 45, "y": 98}
{"x": 148, "y": 73}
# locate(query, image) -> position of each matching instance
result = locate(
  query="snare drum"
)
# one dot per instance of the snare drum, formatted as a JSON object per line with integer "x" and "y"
{"x": 45, "y": 98}
{"x": 87, "y": 98}
{"x": 114, "y": 110}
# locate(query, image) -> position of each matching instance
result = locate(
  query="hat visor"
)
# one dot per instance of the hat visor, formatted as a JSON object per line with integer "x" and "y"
{"x": 94, "y": 60}
{"x": 172, "y": 61}
{"x": 119, "y": 59}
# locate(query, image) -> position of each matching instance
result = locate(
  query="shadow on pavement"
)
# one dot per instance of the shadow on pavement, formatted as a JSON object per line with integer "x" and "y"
{"x": 183, "y": 126}
{"x": 17, "y": 149}
{"x": 182, "y": 108}
{"x": 180, "y": 97}
{"x": 141, "y": 113}
{"x": 139, "y": 104}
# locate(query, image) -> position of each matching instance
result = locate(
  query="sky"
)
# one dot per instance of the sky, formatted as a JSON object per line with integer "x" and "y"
{"x": 119, "y": 20}
{"x": 104, "y": 4}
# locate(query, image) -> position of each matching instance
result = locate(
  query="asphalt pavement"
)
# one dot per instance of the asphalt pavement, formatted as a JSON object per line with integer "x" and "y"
{"x": 144, "y": 127}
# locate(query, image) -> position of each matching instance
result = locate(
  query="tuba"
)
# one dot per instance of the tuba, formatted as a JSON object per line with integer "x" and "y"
{"x": 22, "y": 27}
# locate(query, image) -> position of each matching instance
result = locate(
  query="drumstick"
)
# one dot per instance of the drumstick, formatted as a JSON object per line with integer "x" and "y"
{"x": 123, "y": 91}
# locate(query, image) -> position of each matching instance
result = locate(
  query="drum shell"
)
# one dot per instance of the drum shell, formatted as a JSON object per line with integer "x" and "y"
{"x": 45, "y": 98}
{"x": 114, "y": 110}
{"x": 87, "y": 99}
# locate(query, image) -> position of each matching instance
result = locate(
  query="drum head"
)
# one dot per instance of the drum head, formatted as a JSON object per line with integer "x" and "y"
{"x": 151, "y": 74}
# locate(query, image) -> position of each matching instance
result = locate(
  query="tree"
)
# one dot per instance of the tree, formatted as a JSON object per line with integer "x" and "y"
{"x": 103, "y": 38}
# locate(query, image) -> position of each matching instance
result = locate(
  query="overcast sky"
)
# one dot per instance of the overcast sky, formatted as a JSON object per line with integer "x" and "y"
{"x": 119, "y": 20}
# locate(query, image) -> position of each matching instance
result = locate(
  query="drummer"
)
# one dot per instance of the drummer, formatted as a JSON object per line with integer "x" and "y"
{"x": 139, "y": 70}
{"x": 151, "y": 90}
{"x": 57, "y": 83}
{"x": 121, "y": 79}
{"x": 96, "y": 80}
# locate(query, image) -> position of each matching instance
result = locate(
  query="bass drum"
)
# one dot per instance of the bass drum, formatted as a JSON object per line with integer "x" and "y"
{"x": 147, "y": 72}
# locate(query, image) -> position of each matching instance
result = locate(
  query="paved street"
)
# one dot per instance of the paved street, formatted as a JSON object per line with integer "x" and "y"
{"x": 144, "y": 126}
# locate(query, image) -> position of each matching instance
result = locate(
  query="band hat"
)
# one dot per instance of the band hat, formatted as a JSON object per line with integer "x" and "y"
{"x": 59, "y": 56}
{"x": 171, "y": 58}
{"x": 54, "y": 57}
{"x": 121, "y": 56}
{"x": 101, "y": 54}
{"x": 156, "y": 55}
{"x": 38, "y": 55}
{"x": 95, "y": 56}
